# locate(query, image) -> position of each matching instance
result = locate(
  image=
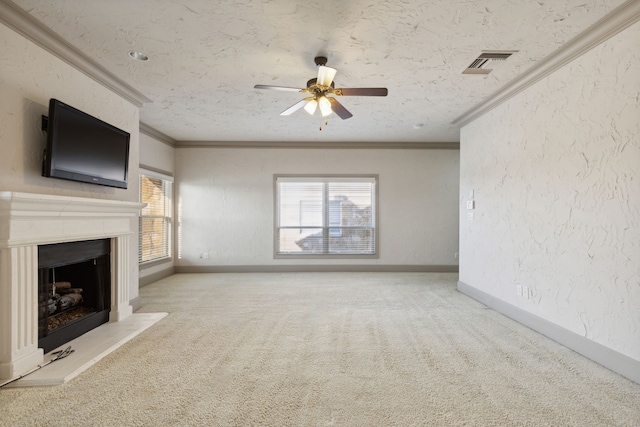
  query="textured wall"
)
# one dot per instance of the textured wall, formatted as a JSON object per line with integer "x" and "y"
{"x": 225, "y": 202}
{"x": 29, "y": 77}
{"x": 555, "y": 174}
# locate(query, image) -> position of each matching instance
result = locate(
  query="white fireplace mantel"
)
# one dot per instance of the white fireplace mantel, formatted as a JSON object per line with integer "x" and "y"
{"x": 28, "y": 220}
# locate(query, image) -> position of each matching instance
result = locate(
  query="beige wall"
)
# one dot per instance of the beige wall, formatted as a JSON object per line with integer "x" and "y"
{"x": 555, "y": 178}
{"x": 158, "y": 156}
{"x": 225, "y": 202}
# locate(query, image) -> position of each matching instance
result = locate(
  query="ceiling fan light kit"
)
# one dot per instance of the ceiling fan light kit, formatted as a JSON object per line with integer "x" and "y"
{"x": 325, "y": 106}
{"x": 311, "y": 106}
{"x": 326, "y": 75}
{"x": 319, "y": 88}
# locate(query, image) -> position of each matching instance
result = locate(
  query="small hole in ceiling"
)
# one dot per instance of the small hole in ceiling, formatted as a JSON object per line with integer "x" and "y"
{"x": 139, "y": 56}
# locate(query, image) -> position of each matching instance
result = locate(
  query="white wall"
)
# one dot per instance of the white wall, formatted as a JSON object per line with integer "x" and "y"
{"x": 29, "y": 77}
{"x": 225, "y": 202}
{"x": 555, "y": 173}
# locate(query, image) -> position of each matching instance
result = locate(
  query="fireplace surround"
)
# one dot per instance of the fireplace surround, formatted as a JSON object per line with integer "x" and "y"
{"x": 31, "y": 220}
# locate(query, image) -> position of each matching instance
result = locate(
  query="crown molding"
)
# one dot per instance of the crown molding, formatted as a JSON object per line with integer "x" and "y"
{"x": 26, "y": 25}
{"x": 617, "y": 20}
{"x": 156, "y": 134}
{"x": 322, "y": 144}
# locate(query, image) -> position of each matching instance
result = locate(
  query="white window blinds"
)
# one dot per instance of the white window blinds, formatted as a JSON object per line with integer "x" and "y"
{"x": 325, "y": 215}
{"x": 155, "y": 218}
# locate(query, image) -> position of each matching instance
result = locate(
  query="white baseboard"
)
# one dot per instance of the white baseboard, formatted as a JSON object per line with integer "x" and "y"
{"x": 135, "y": 303}
{"x": 150, "y": 278}
{"x": 611, "y": 359}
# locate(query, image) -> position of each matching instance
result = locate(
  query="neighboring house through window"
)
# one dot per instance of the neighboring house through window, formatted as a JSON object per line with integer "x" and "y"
{"x": 326, "y": 215}
{"x": 155, "y": 217}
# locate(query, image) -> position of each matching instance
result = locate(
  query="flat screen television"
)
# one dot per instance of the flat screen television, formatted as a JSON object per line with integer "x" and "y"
{"x": 83, "y": 148}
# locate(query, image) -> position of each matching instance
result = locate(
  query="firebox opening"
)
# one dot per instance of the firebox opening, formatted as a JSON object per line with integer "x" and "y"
{"x": 74, "y": 283}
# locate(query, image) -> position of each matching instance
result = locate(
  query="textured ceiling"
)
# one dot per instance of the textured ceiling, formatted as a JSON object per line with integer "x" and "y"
{"x": 205, "y": 58}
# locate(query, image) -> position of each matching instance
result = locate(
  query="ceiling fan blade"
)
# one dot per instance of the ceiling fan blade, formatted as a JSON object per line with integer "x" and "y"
{"x": 295, "y": 107}
{"x": 282, "y": 88}
{"x": 362, "y": 91}
{"x": 337, "y": 108}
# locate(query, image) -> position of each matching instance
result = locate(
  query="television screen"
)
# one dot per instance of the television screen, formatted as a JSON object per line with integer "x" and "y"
{"x": 83, "y": 148}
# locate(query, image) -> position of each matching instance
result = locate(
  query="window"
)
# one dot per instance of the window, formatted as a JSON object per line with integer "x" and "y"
{"x": 155, "y": 218}
{"x": 328, "y": 215}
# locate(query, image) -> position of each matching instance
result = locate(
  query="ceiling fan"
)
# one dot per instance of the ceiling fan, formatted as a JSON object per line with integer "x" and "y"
{"x": 322, "y": 86}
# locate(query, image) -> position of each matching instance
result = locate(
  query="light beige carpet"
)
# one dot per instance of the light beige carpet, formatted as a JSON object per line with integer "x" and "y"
{"x": 329, "y": 350}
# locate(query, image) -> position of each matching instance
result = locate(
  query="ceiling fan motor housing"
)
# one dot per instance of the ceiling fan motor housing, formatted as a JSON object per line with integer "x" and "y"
{"x": 312, "y": 85}
{"x": 320, "y": 60}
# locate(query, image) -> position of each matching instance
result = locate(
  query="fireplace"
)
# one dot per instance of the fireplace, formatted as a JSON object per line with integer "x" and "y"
{"x": 32, "y": 225}
{"x": 73, "y": 290}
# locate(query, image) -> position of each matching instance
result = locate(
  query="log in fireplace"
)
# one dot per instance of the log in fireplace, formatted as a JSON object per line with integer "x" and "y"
{"x": 74, "y": 282}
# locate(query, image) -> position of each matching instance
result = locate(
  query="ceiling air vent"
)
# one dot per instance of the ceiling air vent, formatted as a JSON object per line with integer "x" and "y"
{"x": 487, "y": 62}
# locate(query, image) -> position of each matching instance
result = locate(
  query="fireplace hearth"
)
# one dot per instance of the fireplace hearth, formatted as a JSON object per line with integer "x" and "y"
{"x": 73, "y": 290}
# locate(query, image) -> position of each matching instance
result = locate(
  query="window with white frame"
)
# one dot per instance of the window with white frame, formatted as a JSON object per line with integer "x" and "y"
{"x": 325, "y": 215}
{"x": 155, "y": 217}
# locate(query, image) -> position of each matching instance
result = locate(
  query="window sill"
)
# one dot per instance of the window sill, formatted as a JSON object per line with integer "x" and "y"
{"x": 326, "y": 256}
